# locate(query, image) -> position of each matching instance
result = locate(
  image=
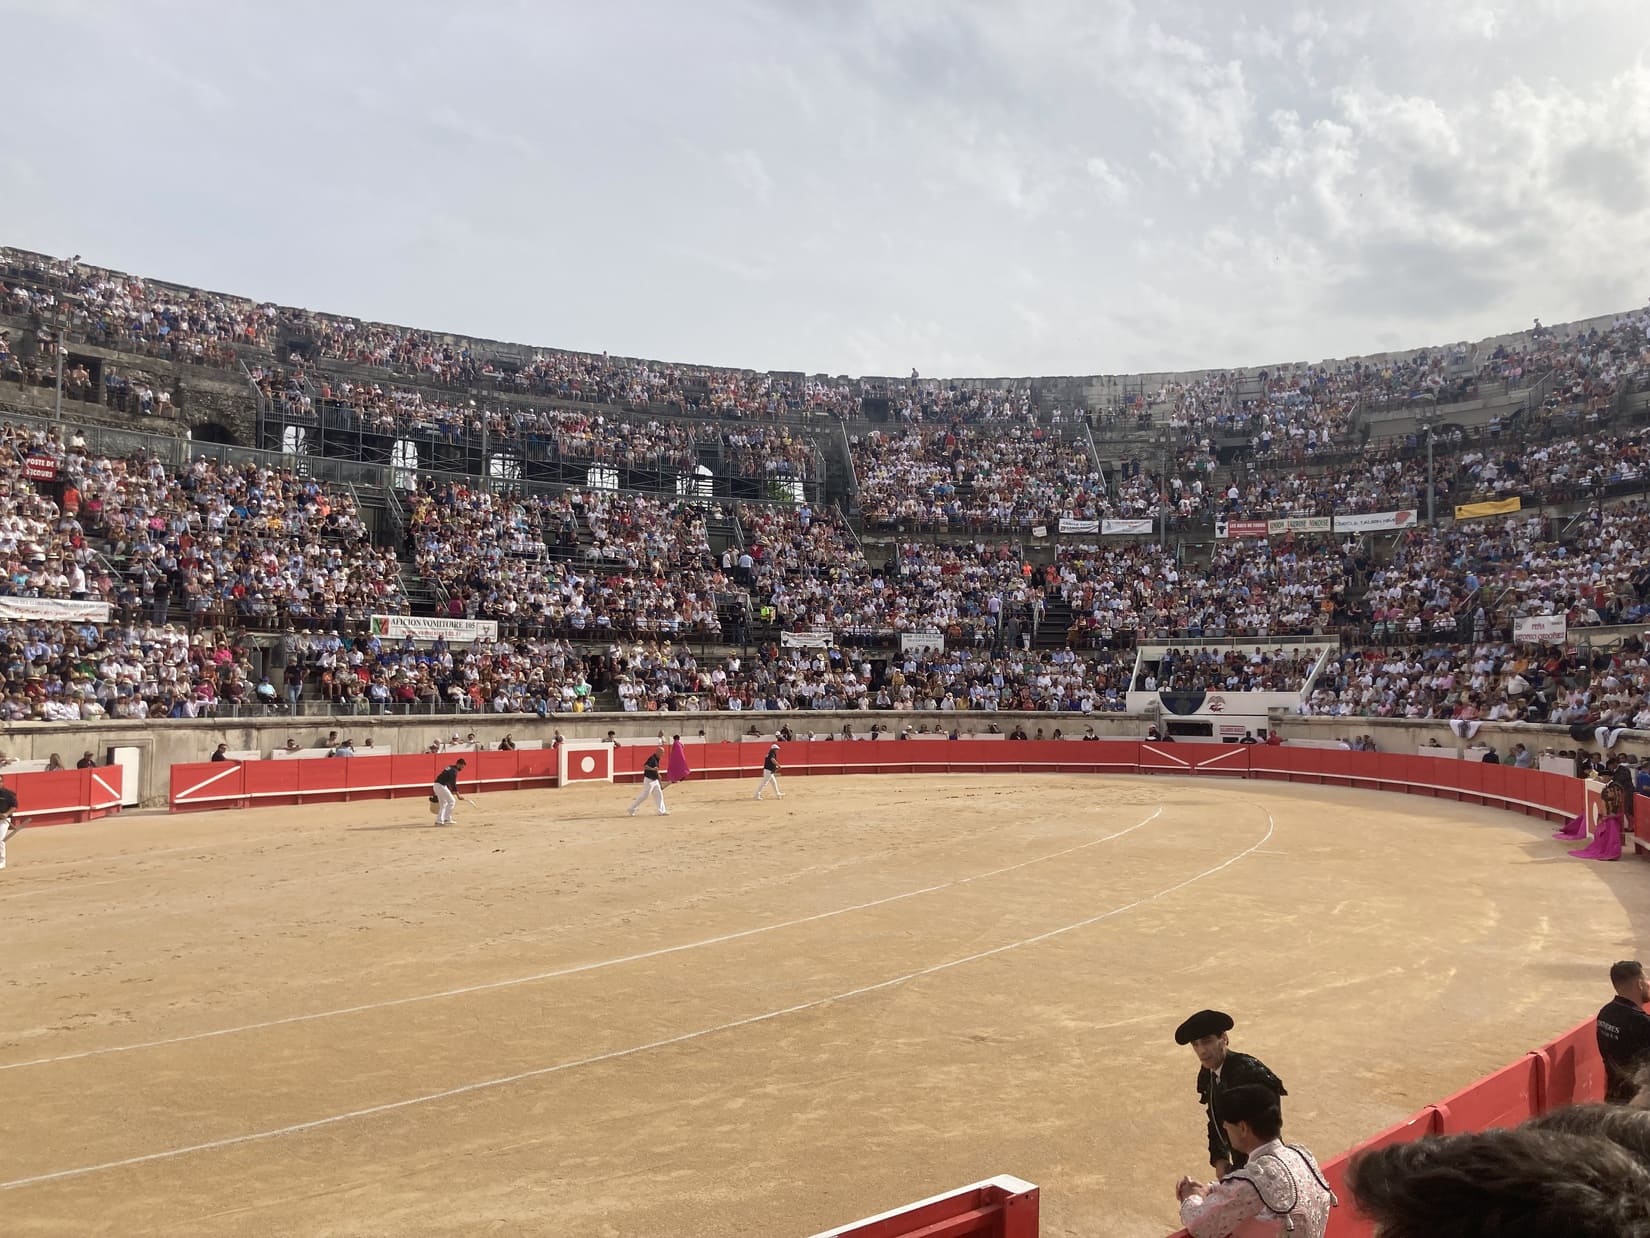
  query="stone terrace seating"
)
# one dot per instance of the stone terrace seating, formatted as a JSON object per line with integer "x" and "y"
{"x": 1004, "y": 479}
{"x": 1250, "y": 588}
{"x": 1483, "y": 574}
{"x": 662, "y": 677}
{"x": 1489, "y": 681}
{"x": 238, "y": 543}
{"x": 43, "y": 548}
{"x": 622, "y": 563}
{"x": 61, "y": 672}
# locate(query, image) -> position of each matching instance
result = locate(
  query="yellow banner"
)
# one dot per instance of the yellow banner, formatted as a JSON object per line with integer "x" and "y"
{"x": 1498, "y": 507}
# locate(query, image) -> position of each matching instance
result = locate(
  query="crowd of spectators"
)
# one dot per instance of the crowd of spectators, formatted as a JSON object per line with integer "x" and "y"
{"x": 1230, "y": 670}
{"x": 1005, "y": 478}
{"x": 1494, "y": 681}
{"x": 558, "y": 434}
{"x": 580, "y": 563}
{"x": 1484, "y": 575}
{"x": 1557, "y": 471}
{"x": 223, "y": 543}
{"x": 1249, "y": 588}
{"x": 658, "y": 677}
{"x": 69, "y": 672}
{"x": 804, "y": 569}
{"x": 123, "y": 311}
{"x": 43, "y": 547}
{"x": 83, "y": 671}
{"x": 222, "y": 546}
{"x": 234, "y": 544}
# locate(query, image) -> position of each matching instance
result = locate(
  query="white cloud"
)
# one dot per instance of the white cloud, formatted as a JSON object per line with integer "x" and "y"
{"x": 1201, "y": 106}
{"x": 749, "y": 171}
{"x": 1112, "y": 187}
{"x": 998, "y": 186}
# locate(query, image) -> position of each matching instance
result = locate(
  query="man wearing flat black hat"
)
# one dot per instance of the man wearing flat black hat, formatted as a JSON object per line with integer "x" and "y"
{"x": 1222, "y": 1070}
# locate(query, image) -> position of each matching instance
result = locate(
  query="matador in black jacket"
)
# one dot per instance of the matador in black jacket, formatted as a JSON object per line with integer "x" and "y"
{"x": 1222, "y": 1069}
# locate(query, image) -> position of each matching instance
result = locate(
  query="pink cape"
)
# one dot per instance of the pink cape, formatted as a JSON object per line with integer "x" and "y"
{"x": 678, "y": 767}
{"x": 1606, "y": 844}
{"x": 1575, "y": 827}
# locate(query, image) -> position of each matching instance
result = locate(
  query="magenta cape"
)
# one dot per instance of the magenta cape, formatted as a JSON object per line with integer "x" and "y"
{"x": 678, "y": 768}
{"x": 1575, "y": 827}
{"x": 1606, "y": 844}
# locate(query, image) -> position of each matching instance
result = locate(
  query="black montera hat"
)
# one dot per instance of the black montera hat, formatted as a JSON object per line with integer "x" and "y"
{"x": 1203, "y": 1023}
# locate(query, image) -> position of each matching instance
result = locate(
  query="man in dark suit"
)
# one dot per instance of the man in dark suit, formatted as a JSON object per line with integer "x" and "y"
{"x": 1221, "y": 1069}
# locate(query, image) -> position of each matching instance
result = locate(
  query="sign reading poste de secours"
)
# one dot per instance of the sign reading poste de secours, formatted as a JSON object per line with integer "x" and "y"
{"x": 1377, "y": 522}
{"x": 428, "y": 627}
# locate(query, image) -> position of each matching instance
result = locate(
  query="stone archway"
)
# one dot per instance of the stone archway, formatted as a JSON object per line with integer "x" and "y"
{"x": 213, "y": 432}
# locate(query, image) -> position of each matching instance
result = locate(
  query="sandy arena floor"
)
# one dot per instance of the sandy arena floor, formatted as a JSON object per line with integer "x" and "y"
{"x": 754, "y": 1019}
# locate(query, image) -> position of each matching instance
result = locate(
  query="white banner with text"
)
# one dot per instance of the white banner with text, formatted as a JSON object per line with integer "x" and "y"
{"x": 429, "y": 627}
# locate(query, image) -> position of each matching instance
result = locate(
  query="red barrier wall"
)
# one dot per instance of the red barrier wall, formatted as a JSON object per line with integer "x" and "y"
{"x": 1499, "y": 786}
{"x": 321, "y": 780}
{"x": 996, "y": 1208}
{"x": 66, "y": 795}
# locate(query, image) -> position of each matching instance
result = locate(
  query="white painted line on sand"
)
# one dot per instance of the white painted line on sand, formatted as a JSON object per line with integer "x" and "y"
{"x": 616, "y": 1054}
{"x": 576, "y": 969}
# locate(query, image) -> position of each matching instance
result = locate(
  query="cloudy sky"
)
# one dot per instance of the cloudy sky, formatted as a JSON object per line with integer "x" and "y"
{"x": 997, "y": 188}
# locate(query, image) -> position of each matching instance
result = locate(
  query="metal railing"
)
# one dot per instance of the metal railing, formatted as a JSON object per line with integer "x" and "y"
{"x": 397, "y": 514}
{"x": 1087, "y": 437}
{"x": 848, "y": 525}
{"x": 848, "y": 460}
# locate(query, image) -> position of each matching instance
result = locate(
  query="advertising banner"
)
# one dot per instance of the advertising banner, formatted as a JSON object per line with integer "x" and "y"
{"x": 1068, "y": 525}
{"x": 920, "y": 642}
{"x": 1495, "y": 507}
{"x": 1299, "y": 524}
{"x": 1550, "y": 629}
{"x": 62, "y": 610}
{"x": 1376, "y": 522}
{"x": 1240, "y": 528}
{"x": 428, "y": 627}
{"x": 805, "y": 640}
{"x": 1117, "y": 528}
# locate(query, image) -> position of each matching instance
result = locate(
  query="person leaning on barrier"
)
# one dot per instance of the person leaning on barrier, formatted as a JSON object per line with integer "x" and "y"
{"x": 1221, "y": 1070}
{"x": 8, "y": 806}
{"x": 1575, "y": 1173}
{"x": 1623, "y": 1030}
{"x": 1280, "y": 1190}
